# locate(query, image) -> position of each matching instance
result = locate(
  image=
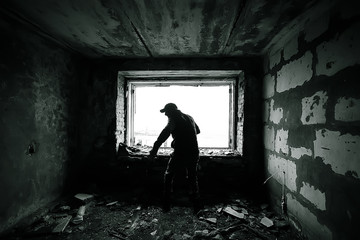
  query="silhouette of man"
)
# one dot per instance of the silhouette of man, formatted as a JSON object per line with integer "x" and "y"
{"x": 184, "y": 131}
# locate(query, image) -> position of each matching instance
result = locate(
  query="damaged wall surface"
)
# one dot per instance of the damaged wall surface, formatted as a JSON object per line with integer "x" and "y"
{"x": 311, "y": 122}
{"x": 38, "y": 115}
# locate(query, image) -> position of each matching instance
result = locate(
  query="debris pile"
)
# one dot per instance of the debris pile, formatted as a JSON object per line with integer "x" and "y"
{"x": 141, "y": 150}
{"x": 88, "y": 216}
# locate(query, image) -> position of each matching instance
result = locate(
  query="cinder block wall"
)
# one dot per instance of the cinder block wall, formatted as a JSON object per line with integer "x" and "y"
{"x": 38, "y": 104}
{"x": 312, "y": 121}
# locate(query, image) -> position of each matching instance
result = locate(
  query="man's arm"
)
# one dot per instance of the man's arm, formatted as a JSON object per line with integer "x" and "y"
{"x": 165, "y": 133}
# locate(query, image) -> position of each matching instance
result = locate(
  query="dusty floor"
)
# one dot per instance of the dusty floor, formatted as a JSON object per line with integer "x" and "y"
{"x": 125, "y": 216}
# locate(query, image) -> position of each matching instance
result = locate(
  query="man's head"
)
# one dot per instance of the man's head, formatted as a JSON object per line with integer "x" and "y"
{"x": 169, "y": 109}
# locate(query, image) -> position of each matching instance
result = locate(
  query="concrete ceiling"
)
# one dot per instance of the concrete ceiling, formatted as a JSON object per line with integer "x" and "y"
{"x": 159, "y": 28}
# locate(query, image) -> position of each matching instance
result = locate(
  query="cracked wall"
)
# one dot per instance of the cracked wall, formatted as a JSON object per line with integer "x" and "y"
{"x": 312, "y": 124}
{"x": 38, "y": 105}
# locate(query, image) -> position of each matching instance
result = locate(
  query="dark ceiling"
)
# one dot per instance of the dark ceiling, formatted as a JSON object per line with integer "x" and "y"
{"x": 159, "y": 28}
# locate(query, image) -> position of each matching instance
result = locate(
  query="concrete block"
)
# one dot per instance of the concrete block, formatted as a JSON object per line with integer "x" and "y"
{"x": 340, "y": 52}
{"x": 316, "y": 26}
{"x": 295, "y": 73}
{"x": 313, "y": 108}
{"x": 315, "y": 196}
{"x": 275, "y": 114}
{"x": 297, "y": 153}
{"x": 269, "y": 86}
{"x": 269, "y": 137}
{"x": 347, "y": 109}
{"x": 340, "y": 151}
{"x": 310, "y": 225}
{"x": 281, "y": 145}
{"x": 277, "y": 166}
{"x": 274, "y": 57}
{"x": 266, "y": 113}
{"x": 291, "y": 48}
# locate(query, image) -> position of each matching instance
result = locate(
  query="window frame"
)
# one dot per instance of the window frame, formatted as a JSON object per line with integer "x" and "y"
{"x": 133, "y": 84}
{"x": 142, "y": 78}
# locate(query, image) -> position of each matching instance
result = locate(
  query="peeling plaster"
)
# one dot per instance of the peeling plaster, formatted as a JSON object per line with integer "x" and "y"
{"x": 314, "y": 196}
{"x": 275, "y": 114}
{"x": 308, "y": 220}
{"x": 297, "y": 153}
{"x": 340, "y": 151}
{"x": 314, "y": 108}
{"x": 278, "y": 165}
{"x": 347, "y": 109}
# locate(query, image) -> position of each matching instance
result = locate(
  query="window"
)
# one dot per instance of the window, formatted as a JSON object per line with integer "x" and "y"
{"x": 208, "y": 96}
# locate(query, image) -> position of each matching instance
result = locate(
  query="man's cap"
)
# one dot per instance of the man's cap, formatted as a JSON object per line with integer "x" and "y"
{"x": 169, "y": 107}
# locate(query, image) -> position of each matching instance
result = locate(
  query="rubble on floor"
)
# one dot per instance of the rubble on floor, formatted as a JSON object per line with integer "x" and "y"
{"x": 111, "y": 217}
{"x": 141, "y": 150}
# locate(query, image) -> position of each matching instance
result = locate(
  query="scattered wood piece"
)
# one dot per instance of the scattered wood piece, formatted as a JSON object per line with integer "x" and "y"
{"x": 62, "y": 224}
{"x": 79, "y": 216}
{"x": 234, "y": 213}
{"x": 84, "y": 197}
{"x": 244, "y": 211}
{"x": 111, "y": 203}
{"x": 266, "y": 222}
{"x": 211, "y": 220}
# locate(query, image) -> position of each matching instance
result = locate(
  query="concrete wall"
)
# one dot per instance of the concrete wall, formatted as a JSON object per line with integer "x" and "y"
{"x": 312, "y": 122}
{"x": 38, "y": 105}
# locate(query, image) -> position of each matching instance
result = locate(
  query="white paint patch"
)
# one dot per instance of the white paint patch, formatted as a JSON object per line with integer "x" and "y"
{"x": 297, "y": 153}
{"x": 347, "y": 109}
{"x": 277, "y": 166}
{"x": 281, "y": 145}
{"x": 295, "y": 73}
{"x": 314, "y": 196}
{"x": 269, "y": 86}
{"x": 310, "y": 225}
{"x": 339, "y": 53}
{"x": 275, "y": 114}
{"x": 269, "y": 138}
{"x": 341, "y": 152}
{"x": 313, "y": 108}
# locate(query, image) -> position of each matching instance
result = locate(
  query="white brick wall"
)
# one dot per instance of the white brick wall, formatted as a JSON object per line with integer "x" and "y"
{"x": 295, "y": 73}
{"x": 269, "y": 86}
{"x": 313, "y": 108}
{"x": 340, "y": 151}
{"x": 266, "y": 109}
{"x": 347, "y": 109}
{"x": 314, "y": 229}
{"x": 339, "y": 53}
{"x": 281, "y": 145}
{"x": 315, "y": 196}
{"x": 297, "y": 153}
{"x": 269, "y": 137}
{"x": 278, "y": 165}
{"x": 120, "y": 111}
{"x": 275, "y": 114}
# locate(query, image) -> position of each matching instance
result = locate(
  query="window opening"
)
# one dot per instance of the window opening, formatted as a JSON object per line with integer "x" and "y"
{"x": 209, "y": 100}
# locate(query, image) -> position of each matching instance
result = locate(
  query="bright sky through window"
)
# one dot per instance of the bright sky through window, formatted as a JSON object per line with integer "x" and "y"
{"x": 208, "y": 105}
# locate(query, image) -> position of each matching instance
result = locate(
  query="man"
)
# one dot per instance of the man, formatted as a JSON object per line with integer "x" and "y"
{"x": 183, "y": 129}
